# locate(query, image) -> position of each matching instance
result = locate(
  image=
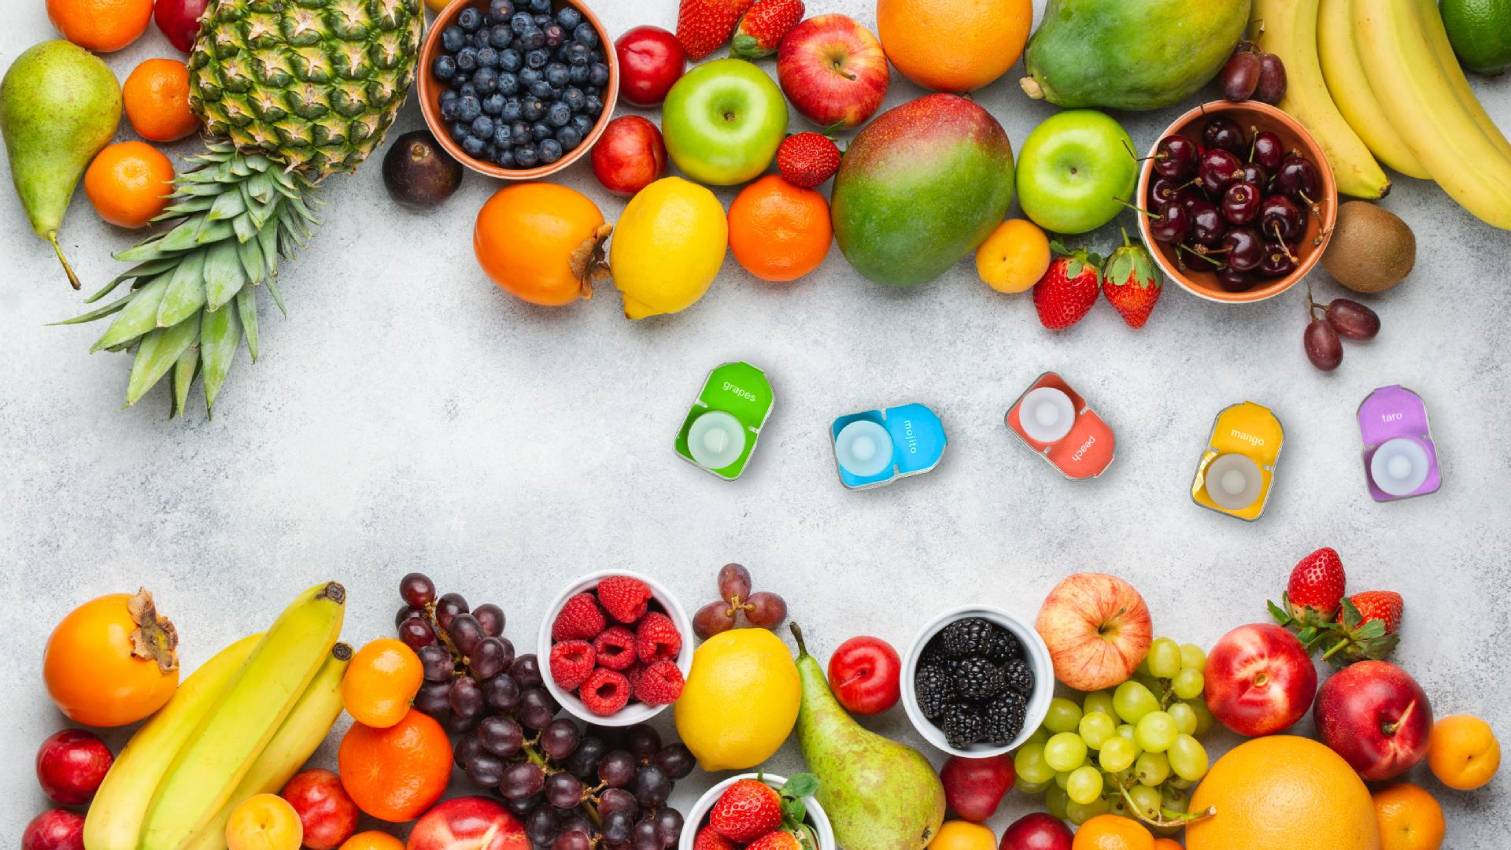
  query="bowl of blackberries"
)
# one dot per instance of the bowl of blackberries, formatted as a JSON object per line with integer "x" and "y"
{"x": 1237, "y": 201}
{"x": 517, "y": 89}
{"x": 977, "y": 682}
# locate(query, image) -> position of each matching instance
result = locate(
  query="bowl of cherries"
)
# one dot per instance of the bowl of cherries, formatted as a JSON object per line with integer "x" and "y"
{"x": 1238, "y": 201}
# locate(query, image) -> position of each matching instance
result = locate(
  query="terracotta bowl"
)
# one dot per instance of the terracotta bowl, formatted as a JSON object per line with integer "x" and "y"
{"x": 1250, "y": 115}
{"x": 431, "y": 88}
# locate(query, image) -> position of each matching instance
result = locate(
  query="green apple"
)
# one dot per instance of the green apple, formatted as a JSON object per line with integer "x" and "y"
{"x": 1076, "y": 171}
{"x": 723, "y": 122}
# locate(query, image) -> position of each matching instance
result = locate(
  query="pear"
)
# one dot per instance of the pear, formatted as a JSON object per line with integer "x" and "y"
{"x": 59, "y": 104}
{"x": 879, "y": 794}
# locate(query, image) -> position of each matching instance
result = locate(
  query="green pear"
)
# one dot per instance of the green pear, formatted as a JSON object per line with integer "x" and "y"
{"x": 879, "y": 794}
{"x": 59, "y": 104}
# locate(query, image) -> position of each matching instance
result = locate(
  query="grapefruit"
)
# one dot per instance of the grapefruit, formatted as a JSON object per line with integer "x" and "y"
{"x": 1269, "y": 791}
{"x": 953, "y": 45}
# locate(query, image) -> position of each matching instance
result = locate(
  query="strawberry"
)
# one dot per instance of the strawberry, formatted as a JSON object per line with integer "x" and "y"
{"x": 1315, "y": 590}
{"x": 1064, "y": 295}
{"x": 605, "y": 692}
{"x": 658, "y": 683}
{"x": 625, "y": 598}
{"x": 807, "y": 159}
{"x": 657, "y": 638}
{"x": 761, "y": 28}
{"x": 1367, "y": 627}
{"x": 746, "y": 811}
{"x": 708, "y": 839}
{"x": 1131, "y": 283}
{"x": 703, "y": 26}
{"x": 615, "y": 648}
{"x": 776, "y": 841}
{"x": 580, "y": 619}
{"x": 571, "y": 663}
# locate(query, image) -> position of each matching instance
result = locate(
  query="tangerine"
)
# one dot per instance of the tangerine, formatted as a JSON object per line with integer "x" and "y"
{"x": 953, "y": 45}
{"x": 380, "y": 682}
{"x": 156, "y": 96}
{"x": 129, "y": 183}
{"x": 372, "y": 839}
{"x": 1112, "y": 832}
{"x": 1410, "y": 819}
{"x": 103, "y": 26}
{"x": 541, "y": 242}
{"x": 1462, "y": 752}
{"x": 395, "y": 774}
{"x": 1167, "y": 844}
{"x": 778, "y": 231}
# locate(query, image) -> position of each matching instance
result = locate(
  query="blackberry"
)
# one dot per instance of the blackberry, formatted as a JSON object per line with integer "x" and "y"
{"x": 935, "y": 690}
{"x": 1018, "y": 676}
{"x": 977, "y": 678}
{"x": 967, "y": 636}
{"x": 962, "y": 725}
{"x": 1003, "y": 646}
{"x": 1003, "y": 718}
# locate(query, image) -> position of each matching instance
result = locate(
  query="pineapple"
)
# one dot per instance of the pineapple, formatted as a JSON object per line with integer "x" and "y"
{"x": 289, "y": 92}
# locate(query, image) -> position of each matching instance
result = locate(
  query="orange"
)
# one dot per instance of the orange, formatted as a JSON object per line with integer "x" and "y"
{"x": 380, "y": 682}
{"x": 1463, "y": 752}
{"x": 264, "y": 822}
{"x": 105, "y": 662}
{"x": 953, "y": 45}
{"x": 1112, "y": 832}
{"x": 1410, "y": 819}
{"x": 395, "y": 774}
{"x": 963, "y": 835}
{"x": 156, "y": 96}
{"x": 129, "y": 183}
{"x": 778, "y": 231}
{"x": 372, "y": 839}
{"x": 1270, "y": 790}
{"x": 1014, "y": 257}
{"x": 541, "y": 242}
{"x": 100, "y": 25}
{"x": 1167, "y": 844}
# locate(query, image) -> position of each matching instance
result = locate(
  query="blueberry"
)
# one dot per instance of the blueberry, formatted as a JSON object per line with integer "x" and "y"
{"x": 568, "y": 17}
{"x": 448, "y": 96}
{"x": 558, "y": 114}
{"x": 542, "y": 90}
{"x": 593, "y": 106}
{"x": 578, "y": 54}
{"x": 541, "y": 130}
{"x": 599, "y": 74}
{"x": 452, "y": 38}
{"x": 541, "y": 19}
{"x": 521, "y": 23}
{"x": 540, "y": 5}
{"x": 502, "y": 137}
{"x": 482, "y": 127}
{"x": 569, "y": 138}
{"x": 469, "y": 19}
{"x": 558, "y": 75}
{"x": 467, "y": 89}
{"x": 510, "y": 59}
{"x": 584, "y": 33}
{"x": 529, "y": 76}
{"x": 468, "y": 108}
{"x": 466, "y": 59}
{"x": 479, "y": 39}
{"x": 457, "y": 130}
{"x": 473, "y": 146}
{"x": 501, "y": 10}
{"x": 493, "y": 104}
{"x": 511, "y": 112}
{"x": 536, "y": 59}
{"x": 499, "y": 36}
{"x": 525, "y": 156}
{"x": 443, "y": 68}
{"x": 550, "y": 151}
{"x": 508, "y": 84}
{"x": 555, "y": 35}
{"x": 449, "y": 108}
{"x": 485, "y": 81}
{"x": 505, "y": 157}
{"x": 520, "y": 131}
{"x": 487, "y": 57}
{"x": 532, "y": 40}
{"x": 574, "y": 99}
{"x": 582, "y": 124}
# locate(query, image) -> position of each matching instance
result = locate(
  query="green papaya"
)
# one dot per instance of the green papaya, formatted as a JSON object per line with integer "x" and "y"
{"x": 1130, "y": 54}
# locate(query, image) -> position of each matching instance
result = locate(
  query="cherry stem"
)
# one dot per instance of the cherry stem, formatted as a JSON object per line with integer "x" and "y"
{"x": 1201, "y": 254}
{"x": 1139, "y": 209}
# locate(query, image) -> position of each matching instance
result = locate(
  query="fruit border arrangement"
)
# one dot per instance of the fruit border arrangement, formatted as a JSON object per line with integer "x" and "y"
{"x": 459, "y": 741}
{"x": 286, "y": 96}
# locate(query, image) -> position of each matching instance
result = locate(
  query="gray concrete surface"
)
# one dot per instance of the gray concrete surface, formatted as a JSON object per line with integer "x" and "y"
{"x": 406, "y": 414}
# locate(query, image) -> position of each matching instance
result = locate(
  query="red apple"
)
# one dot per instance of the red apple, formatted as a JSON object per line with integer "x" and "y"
{"x": 1097, "y": 629}
{"x": 326, "y": 810}
{"x": 1037, "y": 831}
{"x": 650, "y": 60}
{"x": 629, "y": 156}
{"x": 1377, "y": 717}
{"x": 468, "y": 823}
{"x": 833, "y": 70}
{"x": 1260, "y": 679}
{"x": 974, "y": 787}
{"x": 54, "y": 829}
{"x": 864, "y": 673}
{"x": 179, "y": 21}
{"x": 71, "y": 764}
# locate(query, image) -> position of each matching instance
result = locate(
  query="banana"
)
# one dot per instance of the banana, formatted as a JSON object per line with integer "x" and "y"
{"x": 115, "y": 817}
{"x": 1288, "y": 29}
{"x": 1437, "y": 39}
{"x": 1344, "y": 73}
{"x": 1426, "y": 109}
{"x": 210, "y": 766}
{"x": 297, "y": 739}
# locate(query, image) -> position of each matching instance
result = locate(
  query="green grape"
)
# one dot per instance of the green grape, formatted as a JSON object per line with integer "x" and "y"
{"x": 1122, "y": 777}
{"x": 1033, "y": 789}
{"x": 1204, "y": 718}
{"x": 1117, "y": 754}
{"x": 1096, "y": 728}
{"x": 1188, "y": 758}
{"x": 1192, "y": 657}
{"x": 1063, "y": 715}
{"x": 1152, "y": 768}
{"x": 1188, "y": 683}
{"x": 1030, "y": 765}
{"x": 1078, "y": 813}
{"x": 1065, "y": 751}
{"x": 1146, "y": 798}
{"x": 1156, "y": 731}
{"x": 1098, "y": 701}
{"x": 1084, "y": 785}
{"x": 1133, "y": 700}
{"x": 1062, "y": 779}
{"x": 1185, "y": 717}
{"x": 1175, "y": 783}
{"x": 1039, "y": 736}
{"x": 1176, "y": 800}
{"x": 1163, "y": 659}
{"x": 1126, "y": 730}
{"x": 1055, "y": 801}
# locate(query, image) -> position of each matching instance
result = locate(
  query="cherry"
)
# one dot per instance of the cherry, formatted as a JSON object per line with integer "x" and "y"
{"x": 1279, "y": 217}
{"x": 1234, "y": 281}
{"x": 1244, "y": 248}
{"x": 1267, "y": 150}
{"x": 1207, "y": 224}
{"x": 1219, "y": 168}
{"x": 1224, "y": 133}
{"x": 1175, "y": 158}
{"x": 1255, "y": 173}
{"x": 1171, "y": 225}
{"x": 1163, "y": 190}
{"x": 1190, "y": 195}
{"x": 1240, "y": 203}
{"x": 1299, "y": 179}
{"x": 1277, "y": 262}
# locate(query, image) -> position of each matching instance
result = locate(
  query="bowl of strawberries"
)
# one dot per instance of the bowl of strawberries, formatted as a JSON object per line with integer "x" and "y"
{"x": 616, "y": 648}
{"x": 759, "y": 811}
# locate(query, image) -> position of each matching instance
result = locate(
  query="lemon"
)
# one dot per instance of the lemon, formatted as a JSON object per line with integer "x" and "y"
{"x": 668, "y": 247}
{"x": 740, "y": 700}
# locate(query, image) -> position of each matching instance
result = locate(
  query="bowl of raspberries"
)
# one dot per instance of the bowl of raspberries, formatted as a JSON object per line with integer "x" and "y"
{"x": 616, "y": 648}
{"x": 977, "y": 682}
{"x": 759, "y": 811}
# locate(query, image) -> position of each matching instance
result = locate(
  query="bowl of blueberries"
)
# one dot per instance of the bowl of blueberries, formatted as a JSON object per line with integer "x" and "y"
{"x": 517, "y": 89}
{"x": 1240, "y": 201}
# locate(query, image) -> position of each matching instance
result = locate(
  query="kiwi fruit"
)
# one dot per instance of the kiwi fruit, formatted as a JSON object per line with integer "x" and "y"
{"x": 1371, "y": 250}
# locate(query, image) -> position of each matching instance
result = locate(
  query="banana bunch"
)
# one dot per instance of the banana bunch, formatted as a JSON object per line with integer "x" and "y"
{"x": 242, "y": 724}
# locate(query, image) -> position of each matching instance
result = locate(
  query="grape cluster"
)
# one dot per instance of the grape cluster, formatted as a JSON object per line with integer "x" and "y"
{"x": 574, "y": 788}
{"x": 736, "y": 603}
{"x": 1131, "y": 751}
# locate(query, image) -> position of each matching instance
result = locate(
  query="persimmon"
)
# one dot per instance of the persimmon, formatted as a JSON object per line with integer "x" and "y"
{"x": 542, "y": 243}
{"x": 112, "y": 661}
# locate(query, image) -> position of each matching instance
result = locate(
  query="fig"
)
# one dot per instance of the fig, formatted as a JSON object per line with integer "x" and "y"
{"x": 418, "y": 172}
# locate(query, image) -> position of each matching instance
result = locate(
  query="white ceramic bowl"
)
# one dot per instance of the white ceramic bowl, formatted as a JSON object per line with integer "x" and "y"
{"x": 1034, "y": 651}
{"x": 634, "y": 712}
{"x": 699, "y": 811}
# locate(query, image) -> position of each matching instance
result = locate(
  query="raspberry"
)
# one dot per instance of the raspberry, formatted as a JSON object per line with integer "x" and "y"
{"x": 605, "y": 692}
{"x": 615, "y": 648}
{"x": 580, "y": 619}
{"x": 626, "y": 599}
{"x": 657, "y": 638}
{"x": 571, "y": 663}
{"x": 708, "y": 839}
{"x": 659, "y": 683}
